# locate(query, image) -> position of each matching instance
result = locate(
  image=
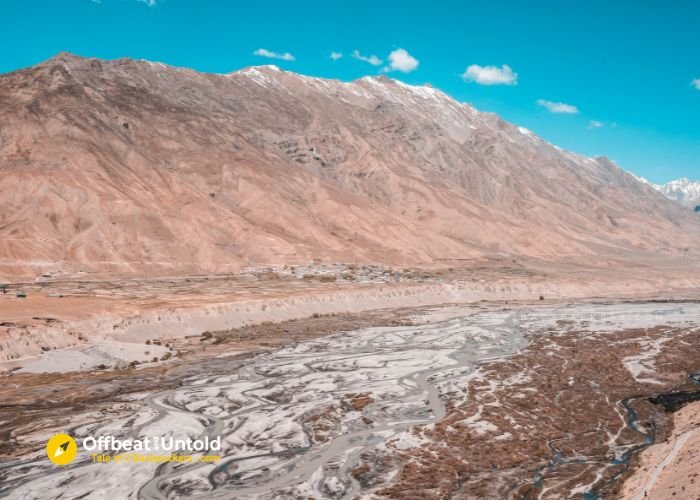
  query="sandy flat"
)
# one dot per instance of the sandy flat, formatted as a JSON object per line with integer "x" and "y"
{"x": 88, "y": 357}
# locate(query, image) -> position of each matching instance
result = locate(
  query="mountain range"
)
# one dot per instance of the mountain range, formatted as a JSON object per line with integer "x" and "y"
{"x": 682, "y": 190}
{"x": 132, "y": 167}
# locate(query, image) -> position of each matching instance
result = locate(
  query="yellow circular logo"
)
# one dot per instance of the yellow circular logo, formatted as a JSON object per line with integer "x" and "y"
{"x": 61, "y": 449}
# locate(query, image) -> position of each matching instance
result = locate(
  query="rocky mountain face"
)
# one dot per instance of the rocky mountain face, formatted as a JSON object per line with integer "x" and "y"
{"x": 682, "y": 190}
{"x": 132, "y": 167}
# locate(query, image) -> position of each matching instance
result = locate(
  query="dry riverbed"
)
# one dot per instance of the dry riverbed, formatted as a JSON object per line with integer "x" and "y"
{"x": 480, "y": 401}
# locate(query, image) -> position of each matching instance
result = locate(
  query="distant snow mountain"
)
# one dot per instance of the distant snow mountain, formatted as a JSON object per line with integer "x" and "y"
{"x": 682, "y": 190}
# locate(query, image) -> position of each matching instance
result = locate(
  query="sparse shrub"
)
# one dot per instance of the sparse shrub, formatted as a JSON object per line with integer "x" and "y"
{"x": 269, "y": 276}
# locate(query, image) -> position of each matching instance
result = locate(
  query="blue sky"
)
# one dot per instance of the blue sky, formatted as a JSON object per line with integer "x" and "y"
{"x": 619, "y": 73}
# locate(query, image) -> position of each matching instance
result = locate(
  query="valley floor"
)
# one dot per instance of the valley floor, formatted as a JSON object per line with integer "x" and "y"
{"x": 82, "y": 321}
{"x": 488, "y": 400}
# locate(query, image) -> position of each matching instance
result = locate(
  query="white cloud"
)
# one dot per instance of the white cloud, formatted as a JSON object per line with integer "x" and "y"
{"x": 696, "y": 83}
{"x": 558, "y": 107}
{"x": 595, "y": 124}
{"x": 373, "y": 60}
{"x": 336, "y": 55}
{"x": 274, "y": 55}
{"x": 490, "y": 75}
{"x": 401, "y": 60}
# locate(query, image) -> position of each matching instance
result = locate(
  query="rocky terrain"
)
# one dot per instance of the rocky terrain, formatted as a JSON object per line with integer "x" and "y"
{"x": 135, "y": 168}
{"x": 669, "y": 469}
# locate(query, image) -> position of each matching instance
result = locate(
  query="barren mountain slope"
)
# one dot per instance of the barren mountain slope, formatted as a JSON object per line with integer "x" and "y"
{"x": 135, "y": 167}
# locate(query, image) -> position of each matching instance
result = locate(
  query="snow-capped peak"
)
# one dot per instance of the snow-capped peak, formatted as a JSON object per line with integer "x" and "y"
{"x": 640, "y": 179}
{"x": 682, "y": 190}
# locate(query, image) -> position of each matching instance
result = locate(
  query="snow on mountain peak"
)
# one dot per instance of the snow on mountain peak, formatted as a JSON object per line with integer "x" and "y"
{"x": 682, "y": 190}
